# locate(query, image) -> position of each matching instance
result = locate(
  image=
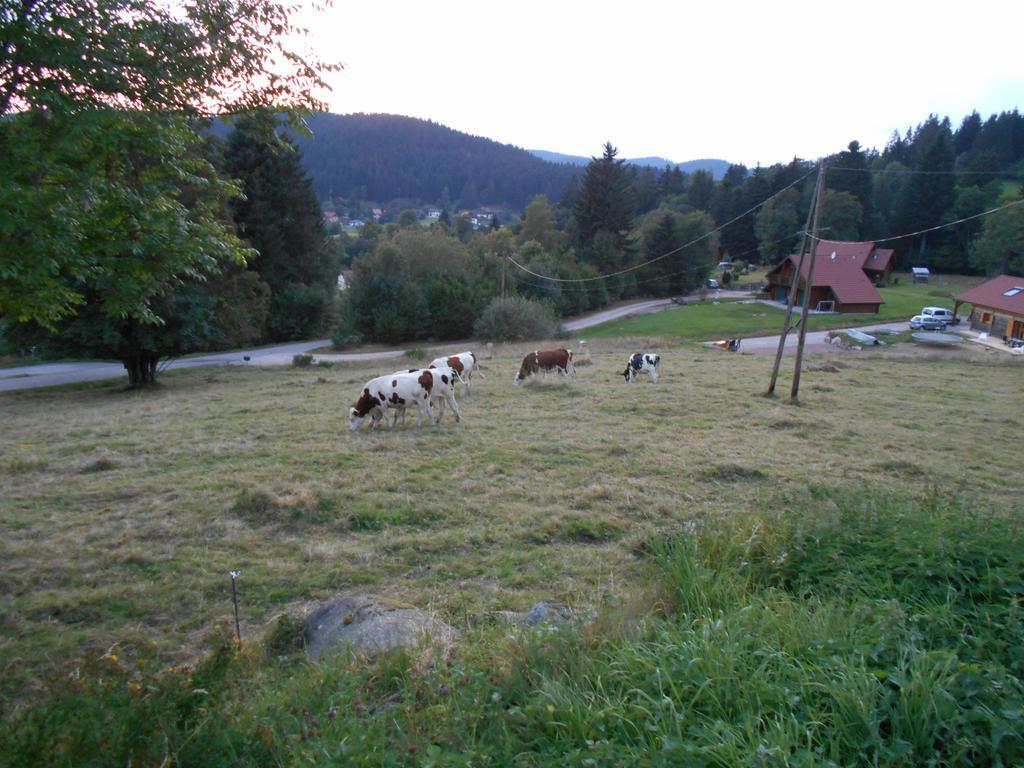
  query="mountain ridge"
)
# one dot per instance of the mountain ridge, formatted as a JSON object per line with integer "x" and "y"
{"x": 716, "y": 166}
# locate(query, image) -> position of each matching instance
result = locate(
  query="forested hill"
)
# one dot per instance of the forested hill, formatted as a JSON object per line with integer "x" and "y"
{"x": 385, "y": 157}
{"x": 716, "y": 167}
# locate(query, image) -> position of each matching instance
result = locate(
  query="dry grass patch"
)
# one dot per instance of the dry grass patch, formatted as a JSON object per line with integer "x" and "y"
{"x": 122, "y": 513}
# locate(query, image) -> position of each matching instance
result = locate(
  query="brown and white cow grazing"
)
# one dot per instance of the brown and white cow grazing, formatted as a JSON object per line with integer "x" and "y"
{"x": 642, "y": 362}
{"x": 545, "y": 360}
{"x": 395, "y": 392}
{"x": 442, "y": 392}
{"x": 464, "y": 364}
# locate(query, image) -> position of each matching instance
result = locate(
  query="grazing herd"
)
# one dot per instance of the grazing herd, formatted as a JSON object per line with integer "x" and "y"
{"x": 425, "y": 388}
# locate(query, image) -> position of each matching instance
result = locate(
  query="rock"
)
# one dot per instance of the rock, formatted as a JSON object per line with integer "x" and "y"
{"x": 541, "y": 614}
{"x": 371, "y": 626}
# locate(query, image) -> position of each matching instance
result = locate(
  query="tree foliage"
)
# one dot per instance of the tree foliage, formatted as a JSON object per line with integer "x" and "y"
{"x": 109, "y": 199}
{"x": 279, "y": 215}
{"x": 1000, "y": 247}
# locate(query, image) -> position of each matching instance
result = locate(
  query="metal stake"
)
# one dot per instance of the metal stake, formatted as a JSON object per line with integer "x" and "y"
{"x": 234, "y": 599}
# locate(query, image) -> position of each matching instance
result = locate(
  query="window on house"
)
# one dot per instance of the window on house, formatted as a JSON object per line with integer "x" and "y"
{"x": 1013, "y": 291}
{"x": 986, "y": 317}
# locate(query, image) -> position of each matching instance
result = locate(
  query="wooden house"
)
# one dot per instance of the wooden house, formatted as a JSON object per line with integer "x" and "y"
{"x": 845, "y": 275}
{"x": 998, "y": 307}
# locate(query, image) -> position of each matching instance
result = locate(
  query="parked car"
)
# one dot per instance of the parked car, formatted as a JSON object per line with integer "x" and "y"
{"x": 945, "y": 315}
{"x": 711, "y": 283}
{"x": 926, "y": 323}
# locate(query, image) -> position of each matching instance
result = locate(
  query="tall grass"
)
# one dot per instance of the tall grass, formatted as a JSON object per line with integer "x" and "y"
{"x": 838, "y": 627}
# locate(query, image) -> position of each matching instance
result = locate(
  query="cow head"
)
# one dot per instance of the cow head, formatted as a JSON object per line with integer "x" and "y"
{"x": 364, "y": 406}
{"x": 529, "y": 366}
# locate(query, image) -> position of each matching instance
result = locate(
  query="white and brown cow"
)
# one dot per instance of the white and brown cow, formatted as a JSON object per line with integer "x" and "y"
{"x": 395, "y": 392}
{"x": 464, "y": 364}
{"x": 545, "y": 360}
{"x": 442, "y": 391}
{"x": 642, "y": 362}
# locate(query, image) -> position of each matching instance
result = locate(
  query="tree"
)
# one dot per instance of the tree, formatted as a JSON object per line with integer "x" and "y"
{"x": 701, "y": 190}
{"x": 1000, "y": 247}
{"x": 850, "y": 174}
{"x": 281, "y": 217}
{"x": 97, "y": 85}
{"x": 777, "y": 226}
{"x": 604, "y": 210}
{"x": 681, "y": 238}
{"x": 841, "y": 215}
{"x": 929, "y": 194}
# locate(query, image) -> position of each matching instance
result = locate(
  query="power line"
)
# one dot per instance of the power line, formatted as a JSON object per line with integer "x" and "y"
{"x": 923, "y": 231}
{"x": 911, "y": 171}
{"x": 664, "y": 255}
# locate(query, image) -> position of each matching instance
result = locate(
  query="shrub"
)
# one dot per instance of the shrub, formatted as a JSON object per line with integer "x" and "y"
{"x": 516, "y": 319}
{"x": 302, "y": 360}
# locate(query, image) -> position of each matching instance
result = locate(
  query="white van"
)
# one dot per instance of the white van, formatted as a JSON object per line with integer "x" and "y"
{"x": 945, "y": 315}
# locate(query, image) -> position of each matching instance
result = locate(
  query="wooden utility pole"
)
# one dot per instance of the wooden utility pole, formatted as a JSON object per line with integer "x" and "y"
{"x": 795, "y": 285}
{"x": 504, "y": 269}
{"x": 810, "y": 283}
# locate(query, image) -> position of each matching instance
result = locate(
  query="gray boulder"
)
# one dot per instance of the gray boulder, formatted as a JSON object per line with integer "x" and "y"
{"x": 371, "y": 626}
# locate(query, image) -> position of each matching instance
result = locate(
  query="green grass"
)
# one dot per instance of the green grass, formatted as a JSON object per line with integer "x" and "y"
{"x": 123, "y": 513}
{"x": 728, "y": 319}
{"x": 815, "y": 632}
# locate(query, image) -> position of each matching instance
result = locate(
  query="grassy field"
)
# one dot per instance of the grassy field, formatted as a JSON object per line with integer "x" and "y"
{"x": 122, "y": 513}
{"x": 708, "y": 320}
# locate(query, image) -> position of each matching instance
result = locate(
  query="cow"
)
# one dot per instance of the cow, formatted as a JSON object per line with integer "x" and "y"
{"x": 732, "y": 345}
{"x": 464, "y": 364}
{"x": 546, "y": 360}
{"x": 442, "y": 391}
{"x": 396, "y": 392}
{"x": 642, "y": 362}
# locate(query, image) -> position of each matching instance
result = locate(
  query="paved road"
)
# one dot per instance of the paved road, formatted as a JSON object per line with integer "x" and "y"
{"x": 55, "y": 374}
{"x": 814, "y": 342}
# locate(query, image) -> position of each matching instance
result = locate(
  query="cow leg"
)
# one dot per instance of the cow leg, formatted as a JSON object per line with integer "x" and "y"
{"x": 440, "y": 408}
{"x": 424, "y": 406}
{"x": 450, "y": 397}
{"x": 654, "y": 375}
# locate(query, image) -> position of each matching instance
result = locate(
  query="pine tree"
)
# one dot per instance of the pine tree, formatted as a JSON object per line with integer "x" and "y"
{"x": 280, "y": 216}
{"x": 604, "y": 210}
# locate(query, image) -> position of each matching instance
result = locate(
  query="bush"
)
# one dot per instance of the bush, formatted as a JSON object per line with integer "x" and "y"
{"x": 517, "y": 319}
{"x": 302, "y": 361}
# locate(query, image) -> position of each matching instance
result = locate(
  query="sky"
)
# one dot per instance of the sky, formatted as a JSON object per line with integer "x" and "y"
{"x": 747, "y": 82}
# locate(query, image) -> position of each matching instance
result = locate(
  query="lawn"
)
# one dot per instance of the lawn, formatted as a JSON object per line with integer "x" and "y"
{"x": 122, "y": 513}
{"x": 708, "y": 320}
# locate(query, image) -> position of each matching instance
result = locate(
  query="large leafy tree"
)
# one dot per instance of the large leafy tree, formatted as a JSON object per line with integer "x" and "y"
{"x": 107, "y": 197}
{"x": 1000, "y": 247}
{"x": 777, "y": 226}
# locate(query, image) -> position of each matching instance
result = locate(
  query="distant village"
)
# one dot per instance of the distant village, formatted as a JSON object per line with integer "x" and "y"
{"x": 339, "y": 219}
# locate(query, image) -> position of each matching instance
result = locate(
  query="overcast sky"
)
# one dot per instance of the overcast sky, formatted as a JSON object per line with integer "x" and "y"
{"x": 749, "y": 82}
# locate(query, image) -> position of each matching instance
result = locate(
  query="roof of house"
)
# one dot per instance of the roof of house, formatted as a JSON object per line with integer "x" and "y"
{"x": 880, "y": 259}
{"x": 1004, "y": 293}
{"x": 840, "y": 266}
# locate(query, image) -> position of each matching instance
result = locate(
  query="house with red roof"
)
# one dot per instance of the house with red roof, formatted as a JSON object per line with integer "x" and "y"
{"x": 845, "y": 276}
{"x": 997, "y": 307}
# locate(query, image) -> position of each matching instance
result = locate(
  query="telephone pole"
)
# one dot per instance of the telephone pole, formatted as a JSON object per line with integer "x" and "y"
{"x": 795, "y": 285}
{"x": 810, "y": 282}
